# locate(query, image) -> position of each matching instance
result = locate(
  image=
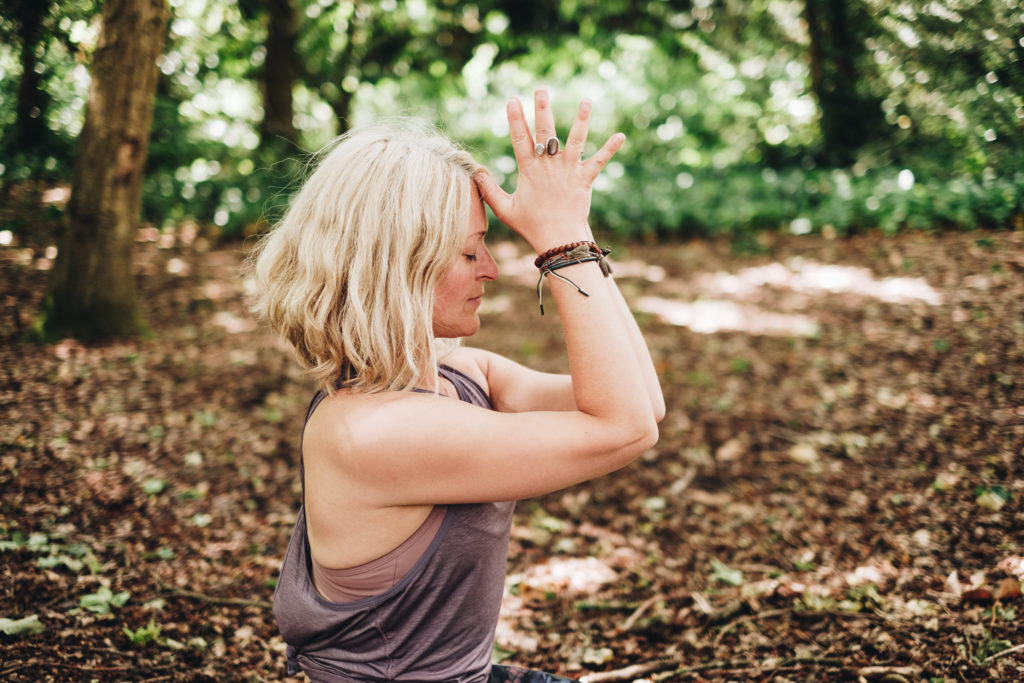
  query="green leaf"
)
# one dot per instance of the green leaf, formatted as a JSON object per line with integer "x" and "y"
{"x": 152, "y": 487}
{"x": 720, "y": 572}
{"x": 29, "y": 626}
{"x": 992, "y": 497}
{"x": 103, "y": 600}
{"x": 52, "y": 561}
{"x": 144, "y": 635}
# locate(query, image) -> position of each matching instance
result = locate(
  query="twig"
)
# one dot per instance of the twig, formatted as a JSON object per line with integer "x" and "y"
{"x": 785, "y": 437}
{"x": 631, "y": 672}
{"x": 631, "y": 620}
{"x": 1007, "y": 651}
{"x": 790, "y": 664}
{"x": 212, "y": 599}
{"x": 748, "y": 617}
{"x": 779, "y": 612}
{"x": 901, "y": 671}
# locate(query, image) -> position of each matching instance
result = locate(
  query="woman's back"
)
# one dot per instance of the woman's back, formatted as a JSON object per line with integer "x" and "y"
{"x": 436, "y": 624}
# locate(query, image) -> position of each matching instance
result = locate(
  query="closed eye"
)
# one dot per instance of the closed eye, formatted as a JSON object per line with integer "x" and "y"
{"x": 471, "y": 257}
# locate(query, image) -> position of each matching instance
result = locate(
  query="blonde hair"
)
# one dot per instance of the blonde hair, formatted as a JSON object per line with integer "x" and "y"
{"x": 348, "y": 275}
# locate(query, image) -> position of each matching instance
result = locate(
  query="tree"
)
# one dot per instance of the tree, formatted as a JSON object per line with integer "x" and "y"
{"x": 850, "y": 117}
{"x": 277, "y": 78}
{"x": 31, "y": 147}
{"x": 30, "y": 123}
{"x": 91, "y": 295}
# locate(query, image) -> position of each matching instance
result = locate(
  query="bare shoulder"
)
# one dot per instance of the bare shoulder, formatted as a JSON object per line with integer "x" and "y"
{"x": 471, "y": 362}
{"x": 348, "y": 421}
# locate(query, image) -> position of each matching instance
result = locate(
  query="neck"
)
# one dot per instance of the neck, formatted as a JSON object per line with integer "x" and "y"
{"x": 433, "y": 381}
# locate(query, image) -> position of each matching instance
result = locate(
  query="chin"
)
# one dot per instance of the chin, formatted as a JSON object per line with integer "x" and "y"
{"x": 467, "y": 329}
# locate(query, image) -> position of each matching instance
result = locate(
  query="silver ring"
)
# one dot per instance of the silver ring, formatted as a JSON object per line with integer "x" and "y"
{"x": 539, "y": 149}
{"x": 551, "y": 147}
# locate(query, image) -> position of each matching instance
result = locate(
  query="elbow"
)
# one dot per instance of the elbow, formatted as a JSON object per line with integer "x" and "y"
{"x": 644, "y": 436}
{"x": 651, "y": 434}
{"x": 658, "y": 406}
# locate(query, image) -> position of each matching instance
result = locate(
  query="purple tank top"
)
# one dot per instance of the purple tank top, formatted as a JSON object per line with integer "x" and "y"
{"x": 436, "y": 624}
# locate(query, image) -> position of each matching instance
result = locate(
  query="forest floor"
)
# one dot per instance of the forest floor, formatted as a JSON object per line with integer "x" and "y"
{"x": 837, "y": 493}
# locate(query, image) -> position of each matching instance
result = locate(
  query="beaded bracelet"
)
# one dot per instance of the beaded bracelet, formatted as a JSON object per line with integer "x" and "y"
{"x": 581, "y": 253}
{"x": 555, "y": 251}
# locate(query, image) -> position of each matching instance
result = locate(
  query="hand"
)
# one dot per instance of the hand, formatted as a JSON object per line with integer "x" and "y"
{"x": 551, "y": 202}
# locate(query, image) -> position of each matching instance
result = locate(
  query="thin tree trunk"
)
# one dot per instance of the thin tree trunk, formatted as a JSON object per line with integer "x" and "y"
{"x": 30, "y": 111}
{"x": 849, "y": 117}
{"x": 279, "y": 73}
{"x": 92, "y": 293}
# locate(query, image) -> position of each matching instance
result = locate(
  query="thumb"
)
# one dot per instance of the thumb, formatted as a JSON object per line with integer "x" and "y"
{"x": 495, "y": 197}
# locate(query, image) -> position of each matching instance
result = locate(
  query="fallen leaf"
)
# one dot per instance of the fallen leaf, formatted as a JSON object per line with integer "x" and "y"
{"x": 598, "y": 656}
{"x": 803, "y": 453}
{"x": 723, "y": 573}
{"x": 28, "y": 626}
{"x": 1008, "y": 589}
{"x": 731, "y": 450}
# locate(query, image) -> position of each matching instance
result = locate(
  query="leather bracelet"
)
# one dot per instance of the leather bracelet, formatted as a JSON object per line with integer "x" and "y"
{"x": 580, "y": 250}
{"x": 555, "y": 251}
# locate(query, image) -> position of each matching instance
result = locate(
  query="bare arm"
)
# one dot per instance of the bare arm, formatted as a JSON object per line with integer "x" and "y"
{"x": 410, "y": 449}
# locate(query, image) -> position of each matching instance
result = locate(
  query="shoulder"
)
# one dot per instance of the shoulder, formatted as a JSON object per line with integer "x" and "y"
{"x": 473, "y": 363}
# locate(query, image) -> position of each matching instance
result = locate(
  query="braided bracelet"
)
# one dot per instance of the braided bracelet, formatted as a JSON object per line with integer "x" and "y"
{"x": 581, "y": 253}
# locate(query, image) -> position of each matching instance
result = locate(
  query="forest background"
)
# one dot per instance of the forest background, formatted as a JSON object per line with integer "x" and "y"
{"x": 741, "y": 116}
{"x": 818, "y": 219}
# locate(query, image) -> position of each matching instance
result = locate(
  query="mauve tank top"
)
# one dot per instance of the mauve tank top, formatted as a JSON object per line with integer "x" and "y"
{"x": 436, "y": 624}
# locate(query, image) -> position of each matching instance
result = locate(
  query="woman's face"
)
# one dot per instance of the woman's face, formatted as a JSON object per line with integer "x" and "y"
{"x": 461, "y": 289}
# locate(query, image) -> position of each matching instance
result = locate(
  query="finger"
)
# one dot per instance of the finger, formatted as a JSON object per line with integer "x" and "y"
{"x": 495, "y": 197}
{"x": 578, "y": 133}
{"x": 543, "y": 117}
{"x": 592, "y": 166}
{"x": 519, "y": 131}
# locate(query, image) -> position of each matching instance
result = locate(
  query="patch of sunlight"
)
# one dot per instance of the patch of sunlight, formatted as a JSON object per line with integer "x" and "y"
{"x": 810, "y": 277}
{"x": 565, "y": 575}
{"x": 233, "y": 323}
{"x": 710, "y": 316}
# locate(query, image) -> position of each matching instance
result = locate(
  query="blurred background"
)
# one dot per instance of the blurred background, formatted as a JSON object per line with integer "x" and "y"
{"x": 800, "y": 115}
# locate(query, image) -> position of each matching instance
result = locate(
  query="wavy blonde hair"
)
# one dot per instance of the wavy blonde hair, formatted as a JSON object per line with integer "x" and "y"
{"x": 348, "y": 275}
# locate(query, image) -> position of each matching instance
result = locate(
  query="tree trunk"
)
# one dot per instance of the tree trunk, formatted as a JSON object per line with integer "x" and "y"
{"x": 30, "y": 118}
{"x": 279, "y": 73}
{"x": 92, "y": 294}
{"x": 849, "y": 117}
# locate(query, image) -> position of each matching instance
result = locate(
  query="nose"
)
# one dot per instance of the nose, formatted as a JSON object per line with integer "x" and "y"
{"x": 487, "y": 267}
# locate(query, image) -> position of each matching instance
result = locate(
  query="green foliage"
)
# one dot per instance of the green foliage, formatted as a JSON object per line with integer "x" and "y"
{"x": 104, "y": 600}
{"x": 41, "y": 115}
{"x": 724, "y": 123}
{"x": 144, "y": 635}
{"x": 73, "y": 556}
{"x": 721, "y": 572}
{"x": 27, "y": 626}
{"x": 989, "y": 646}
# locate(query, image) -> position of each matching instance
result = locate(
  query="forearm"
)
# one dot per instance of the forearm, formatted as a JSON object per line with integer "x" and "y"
{"x": 638, "y": 344}
{"x": 640, "y": 351}
{"x": 608, "y": 381}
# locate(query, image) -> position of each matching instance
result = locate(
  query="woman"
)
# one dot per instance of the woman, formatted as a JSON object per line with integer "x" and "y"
{"x": 396, "y": 565}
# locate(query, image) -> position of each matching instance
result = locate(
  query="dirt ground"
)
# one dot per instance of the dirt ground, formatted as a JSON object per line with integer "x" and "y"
{"x": 836, "y": 494}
